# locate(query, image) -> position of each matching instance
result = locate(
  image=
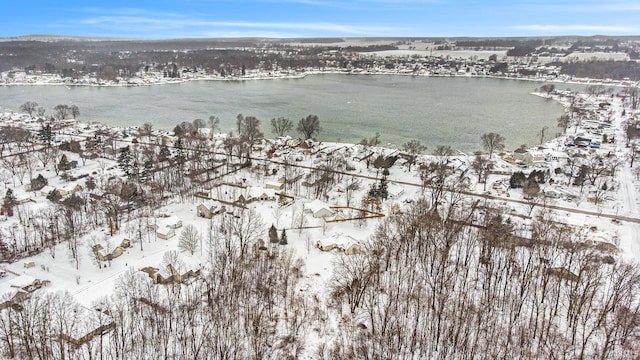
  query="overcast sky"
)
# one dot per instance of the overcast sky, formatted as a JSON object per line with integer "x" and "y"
{"x": 160, "y": 19}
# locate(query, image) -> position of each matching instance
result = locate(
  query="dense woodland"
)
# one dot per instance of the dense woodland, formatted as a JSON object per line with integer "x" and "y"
{"x": 427, "y": 286}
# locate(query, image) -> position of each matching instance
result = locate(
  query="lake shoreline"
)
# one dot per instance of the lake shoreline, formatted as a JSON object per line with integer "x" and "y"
{"x": 136, "y": 82}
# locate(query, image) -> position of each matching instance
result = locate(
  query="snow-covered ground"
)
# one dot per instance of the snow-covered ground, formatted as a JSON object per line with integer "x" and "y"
{"x": 89, "y": 280}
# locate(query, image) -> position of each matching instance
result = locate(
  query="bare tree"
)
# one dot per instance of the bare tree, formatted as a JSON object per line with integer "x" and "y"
{"x": 250, "y": 130}
{"x": 214, "y": 124}
{"x": 29, "y": 107}
{"x": 563, "y": 122}
{"x": 413, "y": 148}
{"x": 542, "y": 133}
{"x": 482, "y": 167}
{"x": 61, "y": 111}
{"x": 146, "y": 129}
{"x": 309, "y": 126}
{"x": 244, "y": 229}
{"x": 281, "y": 125}
{"x": 492, "y": 142}
{"x": 74, "y": 111}
{"x": 189, "y": 239}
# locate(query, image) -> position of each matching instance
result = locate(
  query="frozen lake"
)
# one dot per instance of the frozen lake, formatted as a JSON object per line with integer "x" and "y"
{"x": 434, "y": 110}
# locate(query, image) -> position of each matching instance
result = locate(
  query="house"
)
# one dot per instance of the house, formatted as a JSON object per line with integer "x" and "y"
{"x": 274, "y": 185}
{"x": 171, "y": 275}
{"x": 23, "y": 199}
{"x": 172, "y": 222}
{"x": 165, "y": 233}
{"x": 101, "y": 256}
{"x": 15, "y": 297}
{"x": 206, "y": 209}
{"x": 352, "y": 249}
{"x": 345, "y": 243}
{"x": 46, "y": 190}
{"x": 395, "y": 191}
{"x": 258, "y": 193}
{"x": 318, "y": 209}
{"x": 553, "y": 193}
{"x": 69, "y": 189}
{"x": 27, "y": 283}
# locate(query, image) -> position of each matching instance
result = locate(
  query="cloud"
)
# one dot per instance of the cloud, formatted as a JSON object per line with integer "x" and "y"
{"x": 583, "y": 6}
{"x": 366, "y": 5}
{"x": 579, "y": 28}
{"x": 144, "y": 23}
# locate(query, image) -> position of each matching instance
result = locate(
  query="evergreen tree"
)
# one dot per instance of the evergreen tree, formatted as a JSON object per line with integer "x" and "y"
{"x": 273, "y": 235}
{"x": 517, "y": 180}
{"x": 91, "y": 183}
{"x": 64, "y": 165}
{"x": 380, "y": 190}
{"x": 178, "y": 147}
{"x": 165, "y": 153}
{"x": 54, "y": 196}
{"x": 125, "y": 160}
{"x": 38, "y": 183}
{"x": 10, "y": 198}
{"x": 383, "y": 189}
{"x": 45, "y": 135}
{"x": 283, "y": 237}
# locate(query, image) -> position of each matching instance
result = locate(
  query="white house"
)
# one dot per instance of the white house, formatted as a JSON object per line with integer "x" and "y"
{"x": 395, "y": 191}
{"x": 318, "y": 209}
{"x": 165, "y": 233}
{"x": 172, "y": 222}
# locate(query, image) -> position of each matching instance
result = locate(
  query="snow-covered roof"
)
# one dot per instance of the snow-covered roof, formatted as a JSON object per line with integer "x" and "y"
{"x": 258, "y": 191}
{"x": 340, "y": 240}
{"x": 22, "y": 281}
{"x": 395, "y": 190}
{"x": 316, "y": 206}
{"x": 209, "y": 204}
{"x": 165, "y": 231}
{"x": 170, "y": 221}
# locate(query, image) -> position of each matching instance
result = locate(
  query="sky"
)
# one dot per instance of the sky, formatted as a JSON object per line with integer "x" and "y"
{"x": 162, "y": 19}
